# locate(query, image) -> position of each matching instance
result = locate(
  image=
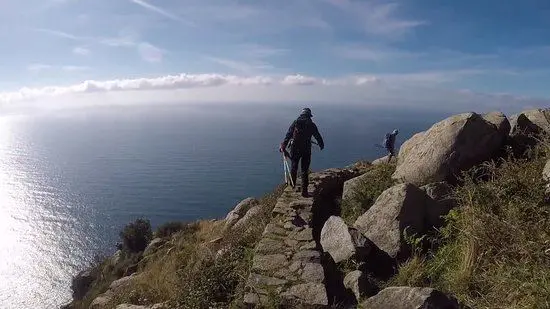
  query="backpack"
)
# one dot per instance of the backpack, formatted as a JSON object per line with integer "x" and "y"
{"x": 299, "y": 134}
{"x": 386, "y": 141}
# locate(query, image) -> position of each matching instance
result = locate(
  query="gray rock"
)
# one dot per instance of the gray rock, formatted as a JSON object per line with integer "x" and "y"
{"x": 500, "y": 121}
{"x": 266, "y": 263}
{"x": 81, "y": 284}
{"x": 399, "y": 207}
{"x": 379, "y": 161}
{"x": 337, "y": 240}
{"x": 153, "y": 246}
{"x": 273, "y": 229}
{"x": 353, "y": 188}
{"x": 358, "y": 283}
{"x": 409, "y": 298}
{"x": 129, "y": 306}
{"x": 447, "y": 148}
{"x": 539, "y": 117}
{"x": 270, "y": 246}
{"x": 251, "y": 216}
{"x": 546, "y": 171}
{"x": 313, "y": 272}
{"x": 304, "y": 235}
{"x": 261, "y": 281}
{"x": 441, "y": 193}
{"x": 239, "y": 211}
{"x": 308, "y": 293}
{"x": 101, "y": 301}
{"x": 117, "y": 258}
{"x": 307, "y": 256}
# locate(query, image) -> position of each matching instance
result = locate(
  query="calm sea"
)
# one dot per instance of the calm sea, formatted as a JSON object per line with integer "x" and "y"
{"x": 71, "y": 179}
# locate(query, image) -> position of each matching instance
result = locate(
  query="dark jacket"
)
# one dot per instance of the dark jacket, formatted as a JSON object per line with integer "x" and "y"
{"x": 389, "y": 141}
{"x": 309, "y": 129}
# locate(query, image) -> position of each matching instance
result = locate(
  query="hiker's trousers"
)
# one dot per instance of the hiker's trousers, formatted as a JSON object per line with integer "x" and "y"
{"x": 303, "y": 157}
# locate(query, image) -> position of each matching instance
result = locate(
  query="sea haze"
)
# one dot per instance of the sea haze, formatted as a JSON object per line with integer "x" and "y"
{"x": 71, "y": 179}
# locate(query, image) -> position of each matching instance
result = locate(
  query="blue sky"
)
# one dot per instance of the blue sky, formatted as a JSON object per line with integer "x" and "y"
{"x": 484, "y": 47}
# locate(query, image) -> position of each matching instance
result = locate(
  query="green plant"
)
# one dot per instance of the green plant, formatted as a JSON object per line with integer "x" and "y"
{"x": 376, "y": 180}
{"x": 136, "y": 235}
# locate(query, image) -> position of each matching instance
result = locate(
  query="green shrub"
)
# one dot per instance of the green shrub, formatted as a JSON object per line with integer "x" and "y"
{"x": 495, "y": 250}
{"x": 136, "y": 236}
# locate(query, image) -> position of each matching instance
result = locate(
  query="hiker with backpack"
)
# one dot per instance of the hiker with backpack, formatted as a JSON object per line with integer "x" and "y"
{"x": 298, "y": 137}
{"x": 389, "y": 144}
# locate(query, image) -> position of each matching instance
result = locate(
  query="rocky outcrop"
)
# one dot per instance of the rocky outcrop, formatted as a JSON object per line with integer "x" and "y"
{"x": 251, "y": 216}
{"x": 239, "y": 211}
{"x": 539, "y": 117}
{"x": 153, "y": 246}
{"x": 352, "y": 193}
{"x": 342, "y": 242}
{"x": 287, "y": 260}
{"x": 81, "y": 284}
{"x": 500, "y": 121}
{"x": 358, "y": 282}
{"x": 382, "y": 160}
{"x": 105, "y": 299}
{"x": 410, "y": 298}
{"x": 398, "y": 208}
{"x": 441, "y": 193}
{"x": 447, "y": 148}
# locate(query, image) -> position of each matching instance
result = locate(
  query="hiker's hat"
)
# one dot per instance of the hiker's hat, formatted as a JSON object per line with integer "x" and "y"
{"x": 395, "y": 132}
{"x": 306, "y": 112}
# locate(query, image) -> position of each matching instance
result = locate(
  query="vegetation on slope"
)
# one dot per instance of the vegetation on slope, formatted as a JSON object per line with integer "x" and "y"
{"x": 378, "y": 180}
{"x": 495, "y": 250}
{"x": 200, "y": 266}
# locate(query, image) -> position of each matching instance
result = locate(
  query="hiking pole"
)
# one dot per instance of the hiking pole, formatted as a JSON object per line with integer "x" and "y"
{"x": 287, "y": 171}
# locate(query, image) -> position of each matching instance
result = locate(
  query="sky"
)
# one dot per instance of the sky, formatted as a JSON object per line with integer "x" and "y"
{"x": 422, "y": 52}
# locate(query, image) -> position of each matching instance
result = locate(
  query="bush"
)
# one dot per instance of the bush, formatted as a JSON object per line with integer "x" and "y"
{"x": 170, "y": 228}
{"x": 136, "y": 236}
{"x": 495, "y": 249}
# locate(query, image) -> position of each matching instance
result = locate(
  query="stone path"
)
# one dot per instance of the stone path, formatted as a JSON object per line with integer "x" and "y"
{"x": 287, "y": 264}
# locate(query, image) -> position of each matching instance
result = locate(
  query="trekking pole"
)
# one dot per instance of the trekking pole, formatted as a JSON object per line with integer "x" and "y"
{"x": 288, "y": 169}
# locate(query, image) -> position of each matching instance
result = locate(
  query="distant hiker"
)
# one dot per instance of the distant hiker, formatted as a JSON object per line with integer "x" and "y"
{"x": 300, "y": 132}
{"x": 389, "y": 143}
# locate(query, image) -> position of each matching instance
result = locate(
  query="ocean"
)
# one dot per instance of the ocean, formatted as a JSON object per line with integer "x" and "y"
{"x": 71, "y": 179}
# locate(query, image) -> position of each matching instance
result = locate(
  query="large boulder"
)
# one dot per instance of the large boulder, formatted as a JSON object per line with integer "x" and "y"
{"x": 525, "y": 128}
{"x": 441, "y": 193}
{"x": 239, "y": 211}
{"x": 450, "y": 146}
{"x": 546, "y": 171}
{"x": 540, "y": 118}
{"x": 500, "y": 121}
{"x": 342, "y": 242}
{"x": 359, "y": 283}
{"x": 400, "y": 207}
{"x": 153, "y": 246}
{"x": 410, "y": 298}
{"x": 249, "y": 218}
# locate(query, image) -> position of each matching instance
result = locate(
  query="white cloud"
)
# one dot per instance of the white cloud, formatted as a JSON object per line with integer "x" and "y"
{"x": 160, "y": 11}
{"x": 37, "y": 67}
{"x": 379, "y": 19}
{"x": 150, "y": 53}
{"x": 75, "y": 68}
{"x": 301, "y": 80}
{"x": 81, "y": 51}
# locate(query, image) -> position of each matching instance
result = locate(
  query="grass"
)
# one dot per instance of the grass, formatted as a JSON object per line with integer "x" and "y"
{"x": 371, "y": 186}
{"x": 495, "y": 250}
{"x": 201, "y": 266}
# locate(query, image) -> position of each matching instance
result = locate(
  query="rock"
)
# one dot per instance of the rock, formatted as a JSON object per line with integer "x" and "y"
{"x": 447, "y": 148}
{"x": 313, "y": 272}
{"x": 351, "y": 195}
{"x": 307, "y": 256}
{"x": 500, "y": 121}
{"x": 540, "y": 118}
{"x": 101, "y": 301}
{"x": 122, "y": 282}
{"x": 399, "y": 207}
{"x": 441, "y": 193}
{"x": 266, "y": 263}
{"x": 523, "y": 134}
{"x": 308, "y": 293}
{"x": 337, "y": 240}
{"x": 81, "y": 284}
{"x": 239, "y": 211}
{"x": 409, "y": 298}
{"x": 358, "y": 283}
{"x": 269, "y": 246}
{"x": 117, "y": 258}
{"x": 129, "y": 306}
{"x": 546, "y": 171}
{"x": 261, "y": 280}
{"x": 379, "y": 161}
{"x": 153, "y": 246}
{"x": 248, "y": 219}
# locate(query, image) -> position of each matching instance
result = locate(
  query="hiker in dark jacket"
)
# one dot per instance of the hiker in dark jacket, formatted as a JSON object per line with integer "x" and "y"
{"x": 389, "y": 143}
{"x": 300, "y": 132}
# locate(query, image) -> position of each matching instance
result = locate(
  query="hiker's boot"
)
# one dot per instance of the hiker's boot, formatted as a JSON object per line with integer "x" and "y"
{"x": 305, "y": 185}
